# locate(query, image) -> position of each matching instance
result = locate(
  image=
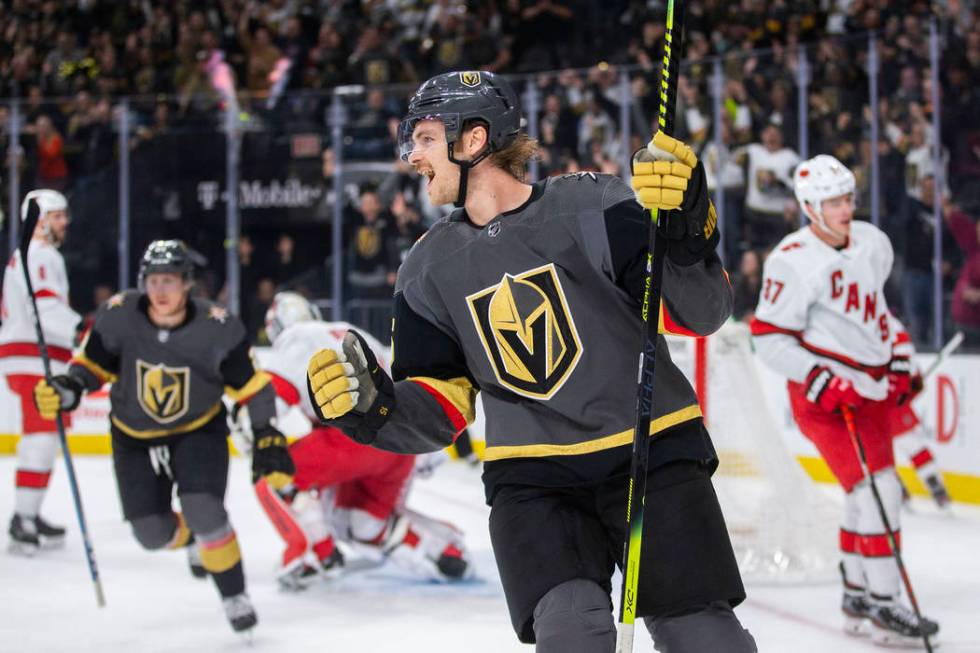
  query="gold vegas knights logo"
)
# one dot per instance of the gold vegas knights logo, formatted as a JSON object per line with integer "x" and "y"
{"x": 528, "y": 331}
{"x": 470, "y": 78}
{"x": 163, "y": 391}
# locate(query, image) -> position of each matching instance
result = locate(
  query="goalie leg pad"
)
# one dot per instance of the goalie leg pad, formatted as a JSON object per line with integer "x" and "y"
{"x": 574, "y": 617}
{"x": 713, "y": 627}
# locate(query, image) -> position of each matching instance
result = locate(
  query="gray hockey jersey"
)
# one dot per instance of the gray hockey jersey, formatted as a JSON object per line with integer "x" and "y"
{"x": 168, "y": 381}
{"x": 540, "y": 311}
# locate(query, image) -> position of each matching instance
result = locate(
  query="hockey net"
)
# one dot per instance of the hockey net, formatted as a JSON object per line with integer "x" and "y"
{"x": 783, "y": 526}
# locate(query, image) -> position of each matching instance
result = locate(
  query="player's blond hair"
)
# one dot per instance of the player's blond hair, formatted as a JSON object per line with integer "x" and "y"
{"x": 515, "y": 157}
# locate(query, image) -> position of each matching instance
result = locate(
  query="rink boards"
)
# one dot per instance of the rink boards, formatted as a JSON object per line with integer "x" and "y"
{"x": 950, "y": 415}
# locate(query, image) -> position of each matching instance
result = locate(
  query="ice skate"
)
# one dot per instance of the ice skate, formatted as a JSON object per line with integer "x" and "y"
{"x": 24, "y": 539}
{"x": 305, "y": 571}
{"x": 50, "y": 535}
{"x": 894, "y": 625}
{"x": 937, "y": 489}
{"x": 241, "y": 615}
{"x": 857, "y": 615}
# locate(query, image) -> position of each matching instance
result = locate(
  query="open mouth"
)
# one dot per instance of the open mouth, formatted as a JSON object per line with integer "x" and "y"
{"x": 428, "y": 173}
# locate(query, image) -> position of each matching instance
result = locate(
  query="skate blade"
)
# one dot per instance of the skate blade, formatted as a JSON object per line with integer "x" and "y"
{"x": 22, "y": 549}
{"x": 857, "y": 626}
{"x": 889, "y": 639}
{"x": 50, "y": 543}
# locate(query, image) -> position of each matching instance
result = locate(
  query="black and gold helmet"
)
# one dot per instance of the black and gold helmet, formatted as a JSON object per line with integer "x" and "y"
{"x": 459, "y": 98}
{"x": 166, "y": 256}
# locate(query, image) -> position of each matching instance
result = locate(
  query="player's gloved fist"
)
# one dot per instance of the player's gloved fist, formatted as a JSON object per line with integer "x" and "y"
{"x": 900, "y": 379}
{"x": 270, "y": 458}
{"x": 661, "y": 172}
{"x": 350, "y": 390}
{"x": 60, "y": 392}
{"x": 830, "y": 392}
{"x": 668, "y": 176}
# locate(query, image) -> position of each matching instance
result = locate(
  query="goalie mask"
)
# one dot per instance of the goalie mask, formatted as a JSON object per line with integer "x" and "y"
{"x": 287, "y": 309}
{"x": 819, "y": 179}
{"x": 458, "y": 99}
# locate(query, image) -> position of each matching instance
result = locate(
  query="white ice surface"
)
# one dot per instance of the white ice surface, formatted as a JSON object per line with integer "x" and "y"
{"x": 47, "y": 603}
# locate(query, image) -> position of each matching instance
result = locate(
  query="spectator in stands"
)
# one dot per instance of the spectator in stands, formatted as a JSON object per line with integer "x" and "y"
{"x": 770, "y": 184}
{"x": 52, "y": 171}
{"x": 408, "y": 229}
{"x": 261, "y": 55}
{"x": 918, "y": 225}
{"x": 286, "y": 266}
{"x": 367, "y": 259}
{"x": 748, "y": 284}
{"x": 721, "y": 168}
{"x": 966, "y": 294}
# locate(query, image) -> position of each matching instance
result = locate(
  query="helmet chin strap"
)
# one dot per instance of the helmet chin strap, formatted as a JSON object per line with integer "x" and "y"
{"x": 821, "y": 224}
{"x": 464, "y": 173}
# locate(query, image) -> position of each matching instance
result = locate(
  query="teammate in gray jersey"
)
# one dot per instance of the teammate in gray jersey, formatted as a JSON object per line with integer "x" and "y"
{"x": 531, "y": 294}
{"x": 170, "y": 358}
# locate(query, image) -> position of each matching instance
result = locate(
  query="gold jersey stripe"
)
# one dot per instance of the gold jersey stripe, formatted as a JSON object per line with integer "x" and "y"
{"x": 102, "y": 374}
{"x": 599, "y": 444}
{"x": 258, "y": 381}
{"x": 157, "y": 433}
{"x": 458, "y": 391}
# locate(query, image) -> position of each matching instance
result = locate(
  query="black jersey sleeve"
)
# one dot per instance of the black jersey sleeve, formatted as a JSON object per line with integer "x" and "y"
{"x": 246, "y": 385}
{"x": 697, "y": 298}
{"x": 96, "y": 361}
{"x": 434, "y": 391}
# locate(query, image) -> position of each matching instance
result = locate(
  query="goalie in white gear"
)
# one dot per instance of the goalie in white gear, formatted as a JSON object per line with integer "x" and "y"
{"x": 20, "y": 363}
{"x": 342, "y": 490}
{"x": 823, "y": 322}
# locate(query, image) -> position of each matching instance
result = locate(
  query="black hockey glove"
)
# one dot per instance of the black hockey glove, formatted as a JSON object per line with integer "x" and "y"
{"x": 270, "y": 458}
{"x": 60, "y": 392}
{"x": 668, "y": 176}
{"x": 349, "y": 390}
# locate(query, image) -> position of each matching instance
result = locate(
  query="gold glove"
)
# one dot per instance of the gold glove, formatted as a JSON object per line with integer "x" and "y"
{"x": 47, "y": 400}
{"x": 661, "y": 172}
{"x": 333, "y": 384}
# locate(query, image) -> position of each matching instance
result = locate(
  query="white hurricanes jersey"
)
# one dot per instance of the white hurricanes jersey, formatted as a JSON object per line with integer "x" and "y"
{"x": 293, "y": 349}
{"x": 821, "y": 305}
{"x": 19, "y": 352}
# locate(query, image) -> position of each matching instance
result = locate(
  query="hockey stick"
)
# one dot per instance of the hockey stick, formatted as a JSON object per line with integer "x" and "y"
{"x": 862, "y": 458}
{"x": 944, "y": 353}
{"x": 29, "y": 220}
{"x": 648, "y": 358}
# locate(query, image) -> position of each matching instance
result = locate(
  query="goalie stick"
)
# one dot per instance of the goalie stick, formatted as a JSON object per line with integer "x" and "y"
{"x": 673, "y": 40}
{"x": 30, "y": 213}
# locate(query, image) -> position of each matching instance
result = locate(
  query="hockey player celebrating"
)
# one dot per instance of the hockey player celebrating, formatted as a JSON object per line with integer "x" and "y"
{"x": 532, "y": 294}
{"x": 20, "y": 362}
{"x": 904, "y": 424}
{"x": 365, "y": 488}
{"x": 170, "y": 358}
{"x": 822, "y": 322}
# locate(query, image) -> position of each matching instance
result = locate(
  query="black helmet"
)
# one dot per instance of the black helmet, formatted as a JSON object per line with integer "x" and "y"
{"x": 166, "y": 256}
{"x": 458, "y": 98}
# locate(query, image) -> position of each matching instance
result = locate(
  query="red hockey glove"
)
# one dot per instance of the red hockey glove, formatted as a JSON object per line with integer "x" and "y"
{"x": 900, "y": 379}
{"x": 830, "y": 392}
